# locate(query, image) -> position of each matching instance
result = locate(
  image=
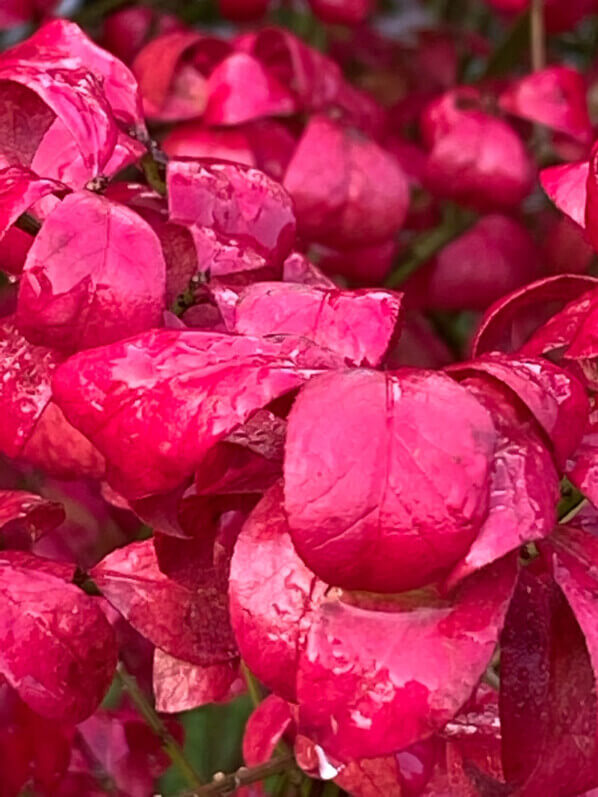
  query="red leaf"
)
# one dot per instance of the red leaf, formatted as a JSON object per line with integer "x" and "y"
{"x": 491, "y": 259}
{"x": 34, "y": 428}
{"x": 524, "y": 484}
{"x": 238, "y": 205}
{"x": 25, "y": 517}
{"x": 264, "y": 729}
{"x": 374, "y": 681}
{"x": 190, "y": 624}
{"x": 120, "y": 394}
{"x": 345, "y": 12}
{"x": 21, "y": 188}
{"x": 554, "y": 96}
{"x": 547, "y": 699}
{"x": 172, "y": 70}
{"x": 358, "y": 325}
{"x": 347, "y": 190}
{"x": 511, "y": 321}
{"x": 74, "y": 95}
{"x": 76, "y": 650}
{"x": 118, "y": 83}
{"x": 566, "y": 186}
{"x": 555, "y": 398}
{"x": 94, "y": 274}
{"x": 272, "y": 596}
{"x": 474, "y": 158}
{"x": 240, "y": 89}
{"x": 400, "y": 473}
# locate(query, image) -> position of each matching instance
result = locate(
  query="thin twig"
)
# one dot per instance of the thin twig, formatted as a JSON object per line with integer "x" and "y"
{"x": 244, "y": 776}
{"x": 537, "y": 35}
{"x": 169, "y": 743}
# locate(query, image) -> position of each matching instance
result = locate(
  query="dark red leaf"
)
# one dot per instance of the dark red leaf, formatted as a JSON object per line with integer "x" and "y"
{"x": 190, "y": 624}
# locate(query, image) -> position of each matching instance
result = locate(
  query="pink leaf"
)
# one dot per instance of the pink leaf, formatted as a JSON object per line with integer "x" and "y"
{"x": 566, "y": 186}
{"x": 474, "y": 158}
{"x": 120, "y": 394}
{"x": 74, "y": 642}
{"x": 511, "y": 321}
{"x": 21, "y": 188}
{"x": 237, "y": 204}
{"x": 94, "y": 274}
{"x": 555, "y": 398}
{"x": 272, "y": 596}
{"x": 264, "y": 730}
{"x": 240, "y": 89}
{"x": 374, "y": 681}
{"x": 347, "y": 190}
{"x": 391, "y": 491}
{"x": 524, "y": 484}
{"x": 34, "y": 428}
{"x": 345, "y": 12}
{"x": 554, "y": 96}
{"x": 358, "y": 325}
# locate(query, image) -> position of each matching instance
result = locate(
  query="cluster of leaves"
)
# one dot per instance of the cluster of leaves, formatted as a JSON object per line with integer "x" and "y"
{"x": 234, "y": 457}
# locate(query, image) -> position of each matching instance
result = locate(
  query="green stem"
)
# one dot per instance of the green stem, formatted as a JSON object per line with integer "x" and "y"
{"x": 253, "y": 687}
{"x": 425, "y": 246}
{"x": 152, "y": 173}
{"x": 169, "y": 743}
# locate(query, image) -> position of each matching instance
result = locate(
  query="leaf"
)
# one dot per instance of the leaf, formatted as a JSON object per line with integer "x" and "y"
{"x": 555, "y": 97}
{"x": 74, "y": 642}
{"x": 34, "y": 428}
{"x": 119, "y": 395}
{"x": 265, "y": 729}
{"x": 25, "y": 517}
{"x": 555, "y": 398}
{"x": 566, "y": 185}
{"x": 272, "y": 596}
{"x": 347, "y": 190}
{"x": 188, "y": 623}
{"x": 358, "y": 325}
{"x": 240, "y": 89}
{"x": 387, "y": 494}
{"x": 94, "y": 274}
{"x": 232, "y": 205}
{"x": 374, "y": 681}
{"x": 512, "y": 320}
{"x": 524, "y": 483}
{"x": 547, "y": 700}
{"x": 181, "y": 686}
{"x": 474, "y": 158}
